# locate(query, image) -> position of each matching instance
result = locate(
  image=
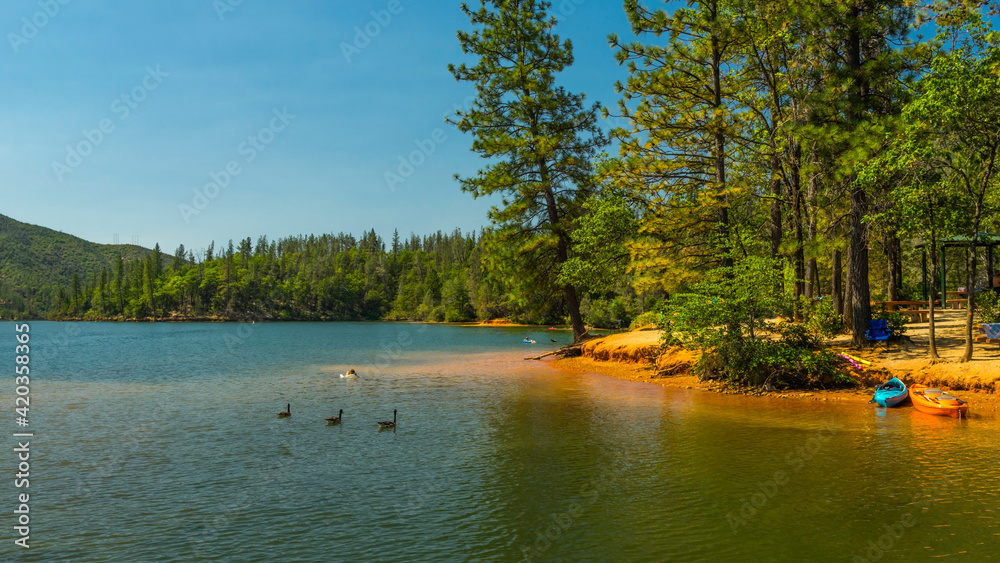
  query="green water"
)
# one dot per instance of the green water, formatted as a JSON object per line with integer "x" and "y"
{"x": 160, "y": 442}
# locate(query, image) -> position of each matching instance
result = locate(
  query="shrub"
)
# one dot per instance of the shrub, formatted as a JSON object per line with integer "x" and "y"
{"x": 780, "y": 363}
{"x": 726, "y": 317}
{"x": 798, "y": 335}
{"x": 988, "y": 307}
{"x": 646, "y": 320}
{"x": 823, "y": 320}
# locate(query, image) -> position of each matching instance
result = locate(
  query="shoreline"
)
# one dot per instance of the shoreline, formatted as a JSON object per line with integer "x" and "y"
{"x": 628, "y": 356}
{"x": 214, "y": 319}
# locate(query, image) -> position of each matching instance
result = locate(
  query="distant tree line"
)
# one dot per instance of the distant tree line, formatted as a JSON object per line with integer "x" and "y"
{"x": 441, "y": 277}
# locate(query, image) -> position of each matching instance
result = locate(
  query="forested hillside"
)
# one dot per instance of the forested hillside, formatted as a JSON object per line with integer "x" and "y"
{"x": 36, "y": 261}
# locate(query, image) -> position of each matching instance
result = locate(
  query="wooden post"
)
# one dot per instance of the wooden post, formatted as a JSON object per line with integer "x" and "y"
{"x": 924, "y": 261}
{"x": 989, "y": 258}
{"x": 944, "y": 293}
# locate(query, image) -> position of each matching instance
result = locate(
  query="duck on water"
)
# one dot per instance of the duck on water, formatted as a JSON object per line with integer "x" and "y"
{"x": 385, "y": 424}
{"x": 335, "y": 419}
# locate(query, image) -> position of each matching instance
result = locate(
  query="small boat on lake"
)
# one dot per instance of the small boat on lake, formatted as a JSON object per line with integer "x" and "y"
{"x": 890, "y": 393}
{"x": 937, "y": 402}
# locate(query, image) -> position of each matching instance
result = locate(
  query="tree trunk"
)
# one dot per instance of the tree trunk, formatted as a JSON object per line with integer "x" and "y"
{"x": 971, "y": 261}
{"x": 562, "y": 252}
{"x": 799, "y": 255}
{"x": 849, "y": 295}
{"x": 812, "y": 283}
{"x": 776, "y": 227}
{"x": 860, "y": 303}
{"x": 719, "y": 153}
{"x": 812, "y": 268}
{"x": 972, "y": 257}
{"x": 836, "y": 285}
{"x": 817, "y": 283}
{"x": 893, "y": 283}
{"x": 932, "y": 339}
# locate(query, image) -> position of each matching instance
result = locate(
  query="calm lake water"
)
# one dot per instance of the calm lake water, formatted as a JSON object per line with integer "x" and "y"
{"x": 160, "y": 442}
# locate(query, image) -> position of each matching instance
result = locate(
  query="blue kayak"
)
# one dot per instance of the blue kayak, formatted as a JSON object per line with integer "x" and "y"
{"x": 890, "y": 393}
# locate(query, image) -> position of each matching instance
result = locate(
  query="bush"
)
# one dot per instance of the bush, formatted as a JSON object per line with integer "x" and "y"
{"x": 780, "y": 363}
{"x": 726, "y": 317}
{"x": 798, "y": 335}
{"x": 988, "y": 307}
{"x": 823, "y": 320}
{"x": 648, "y": 319}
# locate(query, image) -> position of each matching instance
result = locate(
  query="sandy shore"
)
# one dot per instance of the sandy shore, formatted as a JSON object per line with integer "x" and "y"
{"x": 635, "y": 356}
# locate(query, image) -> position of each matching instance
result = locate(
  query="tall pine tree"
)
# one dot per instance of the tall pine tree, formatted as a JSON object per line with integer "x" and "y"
{"x": 539, "y": 138}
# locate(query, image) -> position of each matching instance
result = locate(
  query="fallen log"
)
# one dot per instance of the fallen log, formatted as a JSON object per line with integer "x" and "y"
{"x": 571, "y": 351}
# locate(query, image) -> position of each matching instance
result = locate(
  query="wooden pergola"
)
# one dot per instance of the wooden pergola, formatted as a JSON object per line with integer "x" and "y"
{"x": 987, "y": 240}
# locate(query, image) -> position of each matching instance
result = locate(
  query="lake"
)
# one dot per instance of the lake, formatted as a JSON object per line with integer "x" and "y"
{"x": 161, "y": 442}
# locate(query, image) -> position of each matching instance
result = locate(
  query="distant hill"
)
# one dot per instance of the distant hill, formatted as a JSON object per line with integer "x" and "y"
{"x": 34, "y": 261}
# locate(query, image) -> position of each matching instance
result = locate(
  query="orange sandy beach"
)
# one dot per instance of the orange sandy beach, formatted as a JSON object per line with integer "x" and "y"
{"x": 637, "y": 356}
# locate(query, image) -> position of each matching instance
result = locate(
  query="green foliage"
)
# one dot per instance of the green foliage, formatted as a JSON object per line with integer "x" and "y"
{"x": 327, "y": 277}
{"x": 649, "y": 319}
{"x": 726, "y": 316}
{"x": 601, "y": 237}
{"x": 729, "y": 304}
{"x": 778, "y": 363}
{"x": 988, "y": 307}
{"x": 798, "y": 335}
{"x": 441, "y": 277}
{"x": 540, "y": 141}
{"x": 36, "y": 261}
{"x": 822, "y": 319}
{"x": 616, "y": 312}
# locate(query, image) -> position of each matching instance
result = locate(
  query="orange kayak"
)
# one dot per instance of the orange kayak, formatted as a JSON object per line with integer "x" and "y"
{"x": 935, "y": 401}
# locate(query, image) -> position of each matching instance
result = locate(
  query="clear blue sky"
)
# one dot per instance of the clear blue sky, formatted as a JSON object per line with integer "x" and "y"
{"x": 203, "y": 91}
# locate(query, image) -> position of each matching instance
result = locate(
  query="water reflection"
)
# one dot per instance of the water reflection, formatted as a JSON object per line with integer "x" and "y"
{"x": 493, "y": 458}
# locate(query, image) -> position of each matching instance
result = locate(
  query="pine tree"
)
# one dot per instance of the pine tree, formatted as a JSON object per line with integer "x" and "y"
{"x": 679, "y": 100}
{"x": 539, "y": 137}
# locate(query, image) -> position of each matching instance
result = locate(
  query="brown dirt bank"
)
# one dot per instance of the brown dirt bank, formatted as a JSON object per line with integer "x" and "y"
{"x": 634, "y": 356}
{"x": 500, "y": 322}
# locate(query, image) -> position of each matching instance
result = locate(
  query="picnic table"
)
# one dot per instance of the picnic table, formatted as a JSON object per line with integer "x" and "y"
{"x": 912, "y": 308}
{"x": 988, "y": 332}
{"x": 964, "y": 293}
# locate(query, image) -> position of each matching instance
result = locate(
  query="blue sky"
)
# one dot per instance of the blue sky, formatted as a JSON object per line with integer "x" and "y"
{"x": 155, "y": 98}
